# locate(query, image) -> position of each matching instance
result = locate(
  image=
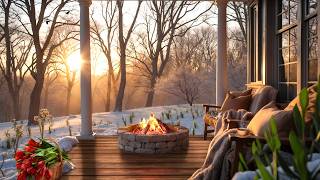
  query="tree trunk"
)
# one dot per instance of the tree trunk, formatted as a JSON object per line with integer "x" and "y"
{"x": 122, "y": 86}
{"x": 35, "y": 98}
{"x": 107, "y": 104}
{"x": 16, "y": 105}
{"x": 46, "y": 95}
{"x": 150, "y": 95}
{"x": 123, "y": 71}
{"x": 68, "y": 101}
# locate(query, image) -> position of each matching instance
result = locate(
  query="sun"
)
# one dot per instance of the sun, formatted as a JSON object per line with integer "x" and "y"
{"x": 74, "y": 62}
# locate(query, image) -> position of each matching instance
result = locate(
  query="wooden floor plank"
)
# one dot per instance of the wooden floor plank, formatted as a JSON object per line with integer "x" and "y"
{"x": 102, "y": 159}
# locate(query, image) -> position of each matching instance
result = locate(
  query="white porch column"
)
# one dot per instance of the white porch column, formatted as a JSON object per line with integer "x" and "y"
{"x": 85, "y": 76}
{"x": 221, "y": 63}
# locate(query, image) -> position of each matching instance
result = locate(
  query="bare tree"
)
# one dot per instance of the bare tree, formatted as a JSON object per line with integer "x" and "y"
{"x": 105, "y": 43}
{"x": 123, "y": 42}
{"x": 17, "y": 49}
{"x": 240, "y": 15}
{"x": 183, "y": 83}
{"x": 51, "y": 75}
{"x": 196, "y": 49}
{"x": 61, "y": 56}
{"x": 44, "y": 16}
{"x": 166, "y": 21}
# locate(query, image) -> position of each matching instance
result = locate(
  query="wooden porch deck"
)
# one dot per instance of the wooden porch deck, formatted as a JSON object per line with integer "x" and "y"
{"x": 101, "y": 159}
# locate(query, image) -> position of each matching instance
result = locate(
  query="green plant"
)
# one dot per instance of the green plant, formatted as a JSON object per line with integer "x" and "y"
{"x": 8, "y": 140}
{"x": 300, "y": 151}
{"x": 131, "y": 117}
{"x": 162, "y": 116}
{"x": 193, "y": 131}
{"x": 4, "y": 156}
{"x": 181, "y": 115}
{"x": 50, "y": 127}
{"x": 29, "y": 131}
{"x": 69, "y": 127}
{"x": 194, "y": 123}
{"x": 168, "y": 115}
{"x": 18, "y": 129}
{"x": 124, "y": 121}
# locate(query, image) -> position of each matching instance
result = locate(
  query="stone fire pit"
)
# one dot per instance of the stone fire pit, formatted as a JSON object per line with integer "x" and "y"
{"x": 153, "y": 143}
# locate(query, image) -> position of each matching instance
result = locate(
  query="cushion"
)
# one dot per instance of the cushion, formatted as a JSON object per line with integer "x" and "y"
{"x": 262, "y": 97}
{"x": 311, "y": 106}
{"x": 241, "y": 93}
{"x": 260, "y": 122}
{"x": 210, "y": 120}
{"x": 231, "y": 102}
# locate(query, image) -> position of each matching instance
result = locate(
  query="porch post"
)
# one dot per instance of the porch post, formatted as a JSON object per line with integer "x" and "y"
{"x": 85, "y": 76}
{"x": 221, "y": 63}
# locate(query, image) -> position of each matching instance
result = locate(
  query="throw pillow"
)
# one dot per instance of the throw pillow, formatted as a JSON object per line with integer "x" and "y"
{"x": 241, "y": 93}
{"x": 231, "y": 102}
{"x": 260, "y": 122}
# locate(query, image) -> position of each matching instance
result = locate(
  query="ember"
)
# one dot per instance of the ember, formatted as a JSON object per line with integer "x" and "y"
{"x": 151, "y": 126}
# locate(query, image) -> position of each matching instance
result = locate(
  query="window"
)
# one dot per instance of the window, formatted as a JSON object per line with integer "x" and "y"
{"x": 256, "y": 64}
{"x": 311, "y": 22}
{"x": 287, "y": 49}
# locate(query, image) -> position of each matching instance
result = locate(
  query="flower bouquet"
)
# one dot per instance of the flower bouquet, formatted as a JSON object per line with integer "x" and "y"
{"x": 40, "y": 160}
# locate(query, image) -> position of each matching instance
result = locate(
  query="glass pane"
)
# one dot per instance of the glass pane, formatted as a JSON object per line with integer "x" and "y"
{"x": 312, "y": 70}
{"x": 293, "y": 53}
{"x": 293, "y": 72}
{"x": 293, "y": 14}
{"x": 293, "y": 36}
{"x": 292, "y": 91}
{"x": 311, "y": 6}
{"x": 313, "y": 46}
{"x": 285, "y": 39}
{"x": 284, "y": 5}
{"x": 284, "y": 56}
{"x": 283, "y": 73}
{"x": 282, "y": 92}
{"x": 312, "y": 27}
{"x": 285, "y": 18}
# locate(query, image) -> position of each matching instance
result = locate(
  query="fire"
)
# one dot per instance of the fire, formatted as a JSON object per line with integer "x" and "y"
{"x": 151, "y": 126}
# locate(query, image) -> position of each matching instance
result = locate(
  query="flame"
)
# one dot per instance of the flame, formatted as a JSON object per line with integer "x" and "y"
{"x": 151, "y": 126}
{"x": 152, "y": 121}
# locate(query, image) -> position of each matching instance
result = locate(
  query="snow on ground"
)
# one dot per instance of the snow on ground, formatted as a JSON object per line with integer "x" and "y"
{"x": 105, "y": 123}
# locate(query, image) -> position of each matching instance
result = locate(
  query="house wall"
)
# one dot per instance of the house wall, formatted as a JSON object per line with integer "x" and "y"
{"x": 270, "y": 51}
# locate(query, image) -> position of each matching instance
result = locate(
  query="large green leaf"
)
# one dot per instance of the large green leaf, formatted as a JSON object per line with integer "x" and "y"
{"x": 286, "y": 168}
{"x": 299, "y": 156}
{"x": 262, "y": 169}
{"x": 298, "y": 121}
{"x": 304, "y": 100}
{"x": 242, "y": 164}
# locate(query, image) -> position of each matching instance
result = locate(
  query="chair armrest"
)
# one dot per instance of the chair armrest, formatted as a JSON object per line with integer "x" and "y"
{"x": 208, "y": 106}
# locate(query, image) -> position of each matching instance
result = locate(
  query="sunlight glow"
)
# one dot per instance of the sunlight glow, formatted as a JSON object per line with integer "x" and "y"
{"x": 74, "y": 62}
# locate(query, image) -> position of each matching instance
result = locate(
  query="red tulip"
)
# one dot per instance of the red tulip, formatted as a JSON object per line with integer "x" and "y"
{"x": 30, "y": 149}
{"x": 18, "y": 165}
{"x": 33, "y": 143}
{"x": 41, "y": 164}
{"x": 48, "y": 174}
{"x": 19, "y": 155}
{"x": 31, "y": 170}
{"x": 22, "y": 175}
{"x": 26, "y": 164}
